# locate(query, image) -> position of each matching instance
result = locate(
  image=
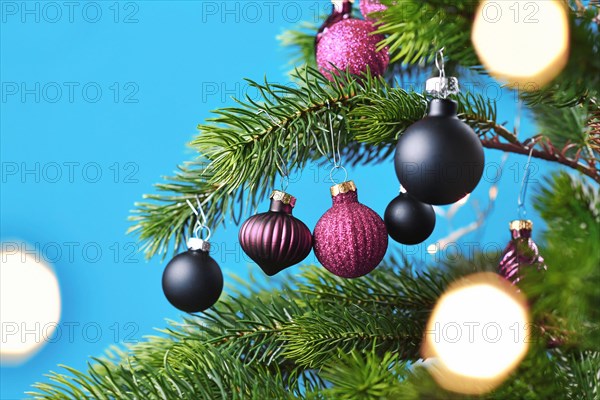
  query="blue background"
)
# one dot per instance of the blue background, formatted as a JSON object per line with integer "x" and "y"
{"x": 172, "y": 62}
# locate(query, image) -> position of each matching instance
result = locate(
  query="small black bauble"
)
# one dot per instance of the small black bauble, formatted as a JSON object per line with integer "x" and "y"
{"x": 408, "y": 221}
{"x": 193, "y": 281}
{"x": 439, "y": 159}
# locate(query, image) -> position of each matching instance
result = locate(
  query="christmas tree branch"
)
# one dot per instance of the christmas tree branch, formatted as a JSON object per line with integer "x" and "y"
{"x": 263, "y": 328}
{"x": 242, "y": 150}
{"x": 320, "y": 336}
{"x": 548, "y": 153}
{"x": 417, "y": 29}
{"x": 300, "y": 42}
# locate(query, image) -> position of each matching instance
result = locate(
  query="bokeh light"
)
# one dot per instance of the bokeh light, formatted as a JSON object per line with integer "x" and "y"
{"x": 30, "y": 303}
{"x": 477, "y": 334}
{"x": 524, "y": 43}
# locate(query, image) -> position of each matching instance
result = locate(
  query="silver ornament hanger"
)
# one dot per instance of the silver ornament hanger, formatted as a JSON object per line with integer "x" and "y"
{"x": 196, "y": 242}
{"x": 441, "y": 86}
{"x": 529, "y": 145}
{"x": 335, "y": 153}
{"x": 521, "y": 207}
{"x": 280, "y": 163}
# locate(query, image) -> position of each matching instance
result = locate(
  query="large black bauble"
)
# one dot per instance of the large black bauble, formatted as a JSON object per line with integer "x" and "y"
{"x": 439, "y": 159}
{"x": 408, "y": 221}
{"x": 192, "y": 281}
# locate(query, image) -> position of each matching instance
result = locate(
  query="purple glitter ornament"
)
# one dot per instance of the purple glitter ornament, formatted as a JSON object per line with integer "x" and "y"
{"x": 350, "y": 45}
{"x": 521, "y": 252}
{"x": 339, "y": 11}
{"x": 350, "y": 239}
{"x": 276, "y": 239}
{"x": 370, "y": 6}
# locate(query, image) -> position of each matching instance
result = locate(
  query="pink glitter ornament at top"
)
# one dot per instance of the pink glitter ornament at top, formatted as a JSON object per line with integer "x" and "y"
{"x": 350, "y": 45}
{"x": 339, "y": 10}
{"x": 350, "y": 239}
{"x": 370, "y": 6}
{"x": 521, "y": 252}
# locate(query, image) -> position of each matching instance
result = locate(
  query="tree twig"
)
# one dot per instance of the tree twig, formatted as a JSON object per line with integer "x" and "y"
{"x": 546, "y": 154}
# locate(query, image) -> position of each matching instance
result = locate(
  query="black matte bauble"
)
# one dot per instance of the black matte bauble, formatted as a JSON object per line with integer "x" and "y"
{"x": 409, "y": 221}
{"x": 192, "y": 281}
{"x": 439, "y": 159}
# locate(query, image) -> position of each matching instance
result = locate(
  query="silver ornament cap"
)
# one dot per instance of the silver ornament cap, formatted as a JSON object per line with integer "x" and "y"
{"x": 198, "y": 244}
{"x": 442, "y": 86}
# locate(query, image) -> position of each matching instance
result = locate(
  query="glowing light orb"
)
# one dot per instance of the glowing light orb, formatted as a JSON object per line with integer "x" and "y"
{"x": 29, "y": 303}
{"x": 477, "y": 334}
{"x": 524, "y": 43}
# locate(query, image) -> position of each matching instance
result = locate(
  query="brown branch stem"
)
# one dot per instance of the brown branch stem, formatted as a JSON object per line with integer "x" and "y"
{"x": 520, "y": 148}
{"x": 513, "y": 145}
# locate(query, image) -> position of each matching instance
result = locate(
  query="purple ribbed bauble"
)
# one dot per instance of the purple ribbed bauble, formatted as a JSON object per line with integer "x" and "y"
{"x": 350, "y": 239}
{"x": 521, "y": 252}
{"x": 370, "y": 6}
{"x": 276, "y": 239}
{"x": 349, "y": 44}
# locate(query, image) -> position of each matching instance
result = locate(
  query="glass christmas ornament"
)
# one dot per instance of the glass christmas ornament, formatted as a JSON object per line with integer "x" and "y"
{"x": 192, "y": 280}
{"x": 350, "y": 45}
{"x": 439, "y": 159}
{"x": 340, "y": 10}
{"x": 350, "y": 239}
{"x": 409, "y": 221}
{"x": 371, "y": 6}
{"x": 521, "y": 252}
{"x": 276, "y": 240}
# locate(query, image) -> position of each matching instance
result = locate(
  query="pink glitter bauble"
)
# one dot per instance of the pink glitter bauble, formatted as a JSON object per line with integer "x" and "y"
{"x": 370, "y": 6}
{"x": 350, "y": 239}
{"x": 350, "y": 45}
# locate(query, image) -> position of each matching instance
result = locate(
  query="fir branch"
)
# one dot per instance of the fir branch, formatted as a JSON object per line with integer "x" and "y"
{"x": 563, "y": 126}
{"x": 583, "y": 368}
{"x": 300, "y": 43}
{"x": 570, "y": 291}
{"x": 365, "y": 376}
{"x": 416, "y": 29}
{"x": 319, "y": 336}
{"x": 409, "y": 291}
{"x": 239, "y": 147}
{"x": 579, "y": 82}
{"x": 547, "y": 152}
{"x": 245, "y": 346}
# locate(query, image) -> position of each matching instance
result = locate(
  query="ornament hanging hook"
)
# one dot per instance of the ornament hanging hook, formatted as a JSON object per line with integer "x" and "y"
{"x": 279, "y": 162}
{"x": 331, "y": 172}
{"x": 439, "y": 62}
{"x": 200, "y": 219}
{"x": 441, "y": 86}
{"x": 335, "y": 150}
{"x": 517, "y": 121}
{"x": 283, "y": 170}
{"x": 521, "y": 208}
